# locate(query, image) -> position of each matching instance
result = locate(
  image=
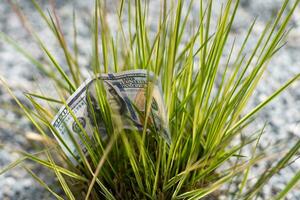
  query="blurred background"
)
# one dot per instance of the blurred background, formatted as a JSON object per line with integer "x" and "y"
{"x": 282, "y": 115}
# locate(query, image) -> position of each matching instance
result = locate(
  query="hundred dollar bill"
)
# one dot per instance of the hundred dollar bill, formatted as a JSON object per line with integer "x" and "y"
{"x": 126, "y": 96}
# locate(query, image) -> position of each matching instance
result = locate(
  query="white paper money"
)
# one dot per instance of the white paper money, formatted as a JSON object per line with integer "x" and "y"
{"x": 126, "y": 95}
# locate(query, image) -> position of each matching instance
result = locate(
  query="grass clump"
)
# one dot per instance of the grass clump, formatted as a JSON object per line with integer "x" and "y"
{"x": 205, "y": 103}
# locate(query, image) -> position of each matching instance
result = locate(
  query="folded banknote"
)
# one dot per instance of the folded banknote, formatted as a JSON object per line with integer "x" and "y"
{"x": 126, "y": 94}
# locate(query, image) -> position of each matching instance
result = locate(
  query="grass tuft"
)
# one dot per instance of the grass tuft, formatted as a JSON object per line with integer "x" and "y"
{"x": 205, "y": 103}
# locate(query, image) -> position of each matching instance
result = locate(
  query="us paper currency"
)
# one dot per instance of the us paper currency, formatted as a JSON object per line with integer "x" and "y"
{"x": 126, "y": 96}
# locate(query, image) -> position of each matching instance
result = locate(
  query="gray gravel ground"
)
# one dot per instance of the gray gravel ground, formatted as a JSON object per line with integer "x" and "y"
{"x": 282, "y": 115}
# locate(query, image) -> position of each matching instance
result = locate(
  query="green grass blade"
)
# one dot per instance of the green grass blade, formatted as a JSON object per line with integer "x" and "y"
{"x": 292, "y": 183}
